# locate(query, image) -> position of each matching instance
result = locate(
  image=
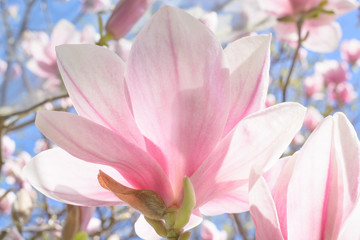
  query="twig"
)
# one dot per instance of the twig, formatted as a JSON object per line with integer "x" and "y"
{"x": 240, "y": 227}
{"x": 30, "y": 109}
{"x": 293, "y": 61}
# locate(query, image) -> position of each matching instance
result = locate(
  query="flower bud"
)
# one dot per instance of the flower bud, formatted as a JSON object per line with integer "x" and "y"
{"x": 125, "y": 15}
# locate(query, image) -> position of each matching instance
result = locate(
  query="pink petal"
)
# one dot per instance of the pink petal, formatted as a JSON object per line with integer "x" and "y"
{"x": 280, "y": 187}
{"x": 263, "y": 209}
{"x": 93, "y": 143}
{"x": 323, "y": 38}
{"x": 144, "y": 230}
{"x": 344, "y": 192}
{"x": 55, "y": 173}
{"x": 94, "y": 78}
{"x": 249, "y": 60}
{"x": 309, "y": 186}
{"x": 258, "y": 140}
{"x": 278, "y": 8}
{"x": 179, "y": 89}
{"x": 350, "y": 229}
{"x": 235, "y": 201}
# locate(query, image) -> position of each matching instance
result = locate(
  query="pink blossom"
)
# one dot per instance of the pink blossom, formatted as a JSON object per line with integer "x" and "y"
{"x": 8, "y": 146}
{"x": 13, "y": 170}
{"x": 180, "y": 106}
{"x": 125, "y": 15}
{"x": 312, "y": 118}
{"x": 350, "y": 51}
{"x": 6, "y": 202}
{"x": 314, "y": 85}
{"x": 333, "y": 71}
{"x": 3, "y": 66}
{"x": 43, "y": 62}
{"x": 343, "y": 92}
{"x": 91, "y": 6}
{"x": 313, "y": 194}
{"x": 210, "y": 232}
{"x": 324, "y": 32}
{"x": 41, "y": 145}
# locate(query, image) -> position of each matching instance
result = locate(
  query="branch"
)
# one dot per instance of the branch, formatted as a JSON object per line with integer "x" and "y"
{"x": 293, "y": 61}
{"x": 240, "y": 227}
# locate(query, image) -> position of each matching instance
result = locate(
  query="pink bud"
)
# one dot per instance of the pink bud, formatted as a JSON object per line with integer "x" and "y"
{"x": 125, "y": 15}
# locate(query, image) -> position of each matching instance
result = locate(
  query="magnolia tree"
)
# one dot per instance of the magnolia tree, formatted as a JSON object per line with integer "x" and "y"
{"x": 232, "y": 119}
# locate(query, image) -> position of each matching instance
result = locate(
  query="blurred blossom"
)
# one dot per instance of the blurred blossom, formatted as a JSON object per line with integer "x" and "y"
{"x": 66, "y": 103}
{"x": 89, "y": 35}
{"x": 333, "y": 71}
{"x": 210, "y": 19}
{"x": 343, "y": 92}
{"x": 42, "y": 50}
{"x": 23, "y": 205}
{"x": 209, "y": 231}
{"x": 125, "y": 15}
{"x": 270, "y": 100}
{"x": 91, "y": 6}
{"x": 113, "y": 237}
{"x": 8, "y": 146}
{"x": 3, "y": 66}
{"x": 324, "y": 33}
{"x": 93, "y": 226}
{"x": 302, "y": 56}
{"x": 41, "y": 145}
{"x": 13, "y": 11}
{"x": 312, "y": 118}
{"x": 121, "y": 47}
{"x": 16, "y": 70}
{"x": 350, "y": 51}
{"x": 6, "y": 202}
{"x": 299, "y": 139}
{"x": 13, "y": 170}
{"x": 314, "y": 85}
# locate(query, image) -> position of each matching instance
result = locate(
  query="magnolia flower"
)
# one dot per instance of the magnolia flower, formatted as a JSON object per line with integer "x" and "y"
{"x": 342, "y": 92}
{"x": 312, "y": 118}
{"x": 324, "y": 32}
{"x": 125, "y": 15}
{"x": 333, "y": 71}
{"x": 313, "y": 194}
{"x": 8, "y": 146}
{"x": 314, "y": 84}
{"x": 210, "y": 232}
{"x": 42, "y": 50}
{"x": 350, "y": 51}
{"x": 180, "y": 107}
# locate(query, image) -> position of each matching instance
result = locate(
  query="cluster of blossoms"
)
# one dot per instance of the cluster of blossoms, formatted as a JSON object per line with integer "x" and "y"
{"x": 177, "y": 127}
